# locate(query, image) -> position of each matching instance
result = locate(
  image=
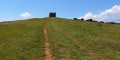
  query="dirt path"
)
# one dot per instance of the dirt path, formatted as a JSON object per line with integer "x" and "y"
{"x": 47, "y": 45}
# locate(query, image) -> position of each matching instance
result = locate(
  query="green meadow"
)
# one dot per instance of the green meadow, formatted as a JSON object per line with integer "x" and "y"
{"x": 22, "y": 40}
{"x": 69, "y": 40}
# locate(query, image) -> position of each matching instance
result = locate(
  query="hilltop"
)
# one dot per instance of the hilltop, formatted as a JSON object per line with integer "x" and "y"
{"x": 68, "y": 40}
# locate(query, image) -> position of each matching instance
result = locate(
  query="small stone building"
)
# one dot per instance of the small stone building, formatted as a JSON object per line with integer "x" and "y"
{"x": 52, "y": 14}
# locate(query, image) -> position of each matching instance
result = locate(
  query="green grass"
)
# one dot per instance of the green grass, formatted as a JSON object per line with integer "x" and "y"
{"x": 79, "y": 40}
{"x": 22, "y": 40}
{"x": 69, "y": 40}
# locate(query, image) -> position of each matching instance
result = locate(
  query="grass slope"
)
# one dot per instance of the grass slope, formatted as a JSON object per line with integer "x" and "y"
{"x": 69, "y": 40}
{"x": 22, "y": 40}
{"x": 79, "y": 40}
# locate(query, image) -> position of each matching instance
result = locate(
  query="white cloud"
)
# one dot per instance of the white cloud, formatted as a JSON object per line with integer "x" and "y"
{"x": 26, "y": 15}
{"x": 110, "y": 15}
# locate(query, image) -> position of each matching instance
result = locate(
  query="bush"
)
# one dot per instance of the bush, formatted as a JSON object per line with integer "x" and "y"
{"x": 75, "y": 19}
{"x": 111, "y": 22}
{"x": 89, "y": 20}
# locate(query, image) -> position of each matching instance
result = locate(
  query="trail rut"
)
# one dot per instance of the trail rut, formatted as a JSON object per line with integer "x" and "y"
{"x": 47, "y": 45}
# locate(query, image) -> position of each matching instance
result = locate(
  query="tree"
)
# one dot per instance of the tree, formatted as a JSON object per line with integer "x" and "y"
{"x": 82, "y": 19}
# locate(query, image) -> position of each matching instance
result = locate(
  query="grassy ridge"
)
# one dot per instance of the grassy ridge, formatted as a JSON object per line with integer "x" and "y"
{"x": 69, "y": 40}
{"x": 22, "y": 40}
{"x": 75, "y": 40}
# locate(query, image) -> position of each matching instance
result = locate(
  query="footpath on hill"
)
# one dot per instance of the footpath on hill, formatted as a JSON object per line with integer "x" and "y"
{"x": 47, "y": 45}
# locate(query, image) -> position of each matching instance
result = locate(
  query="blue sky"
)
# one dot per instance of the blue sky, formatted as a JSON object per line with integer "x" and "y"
{"x": 12, "y": 9}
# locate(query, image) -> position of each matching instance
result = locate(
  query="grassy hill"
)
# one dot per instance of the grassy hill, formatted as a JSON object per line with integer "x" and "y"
{"x": 69, "y": 40}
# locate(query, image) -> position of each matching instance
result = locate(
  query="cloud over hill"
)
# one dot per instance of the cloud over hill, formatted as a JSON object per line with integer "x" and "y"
{"x": 26, "y": 15}
{"x": 110, "y": 15}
